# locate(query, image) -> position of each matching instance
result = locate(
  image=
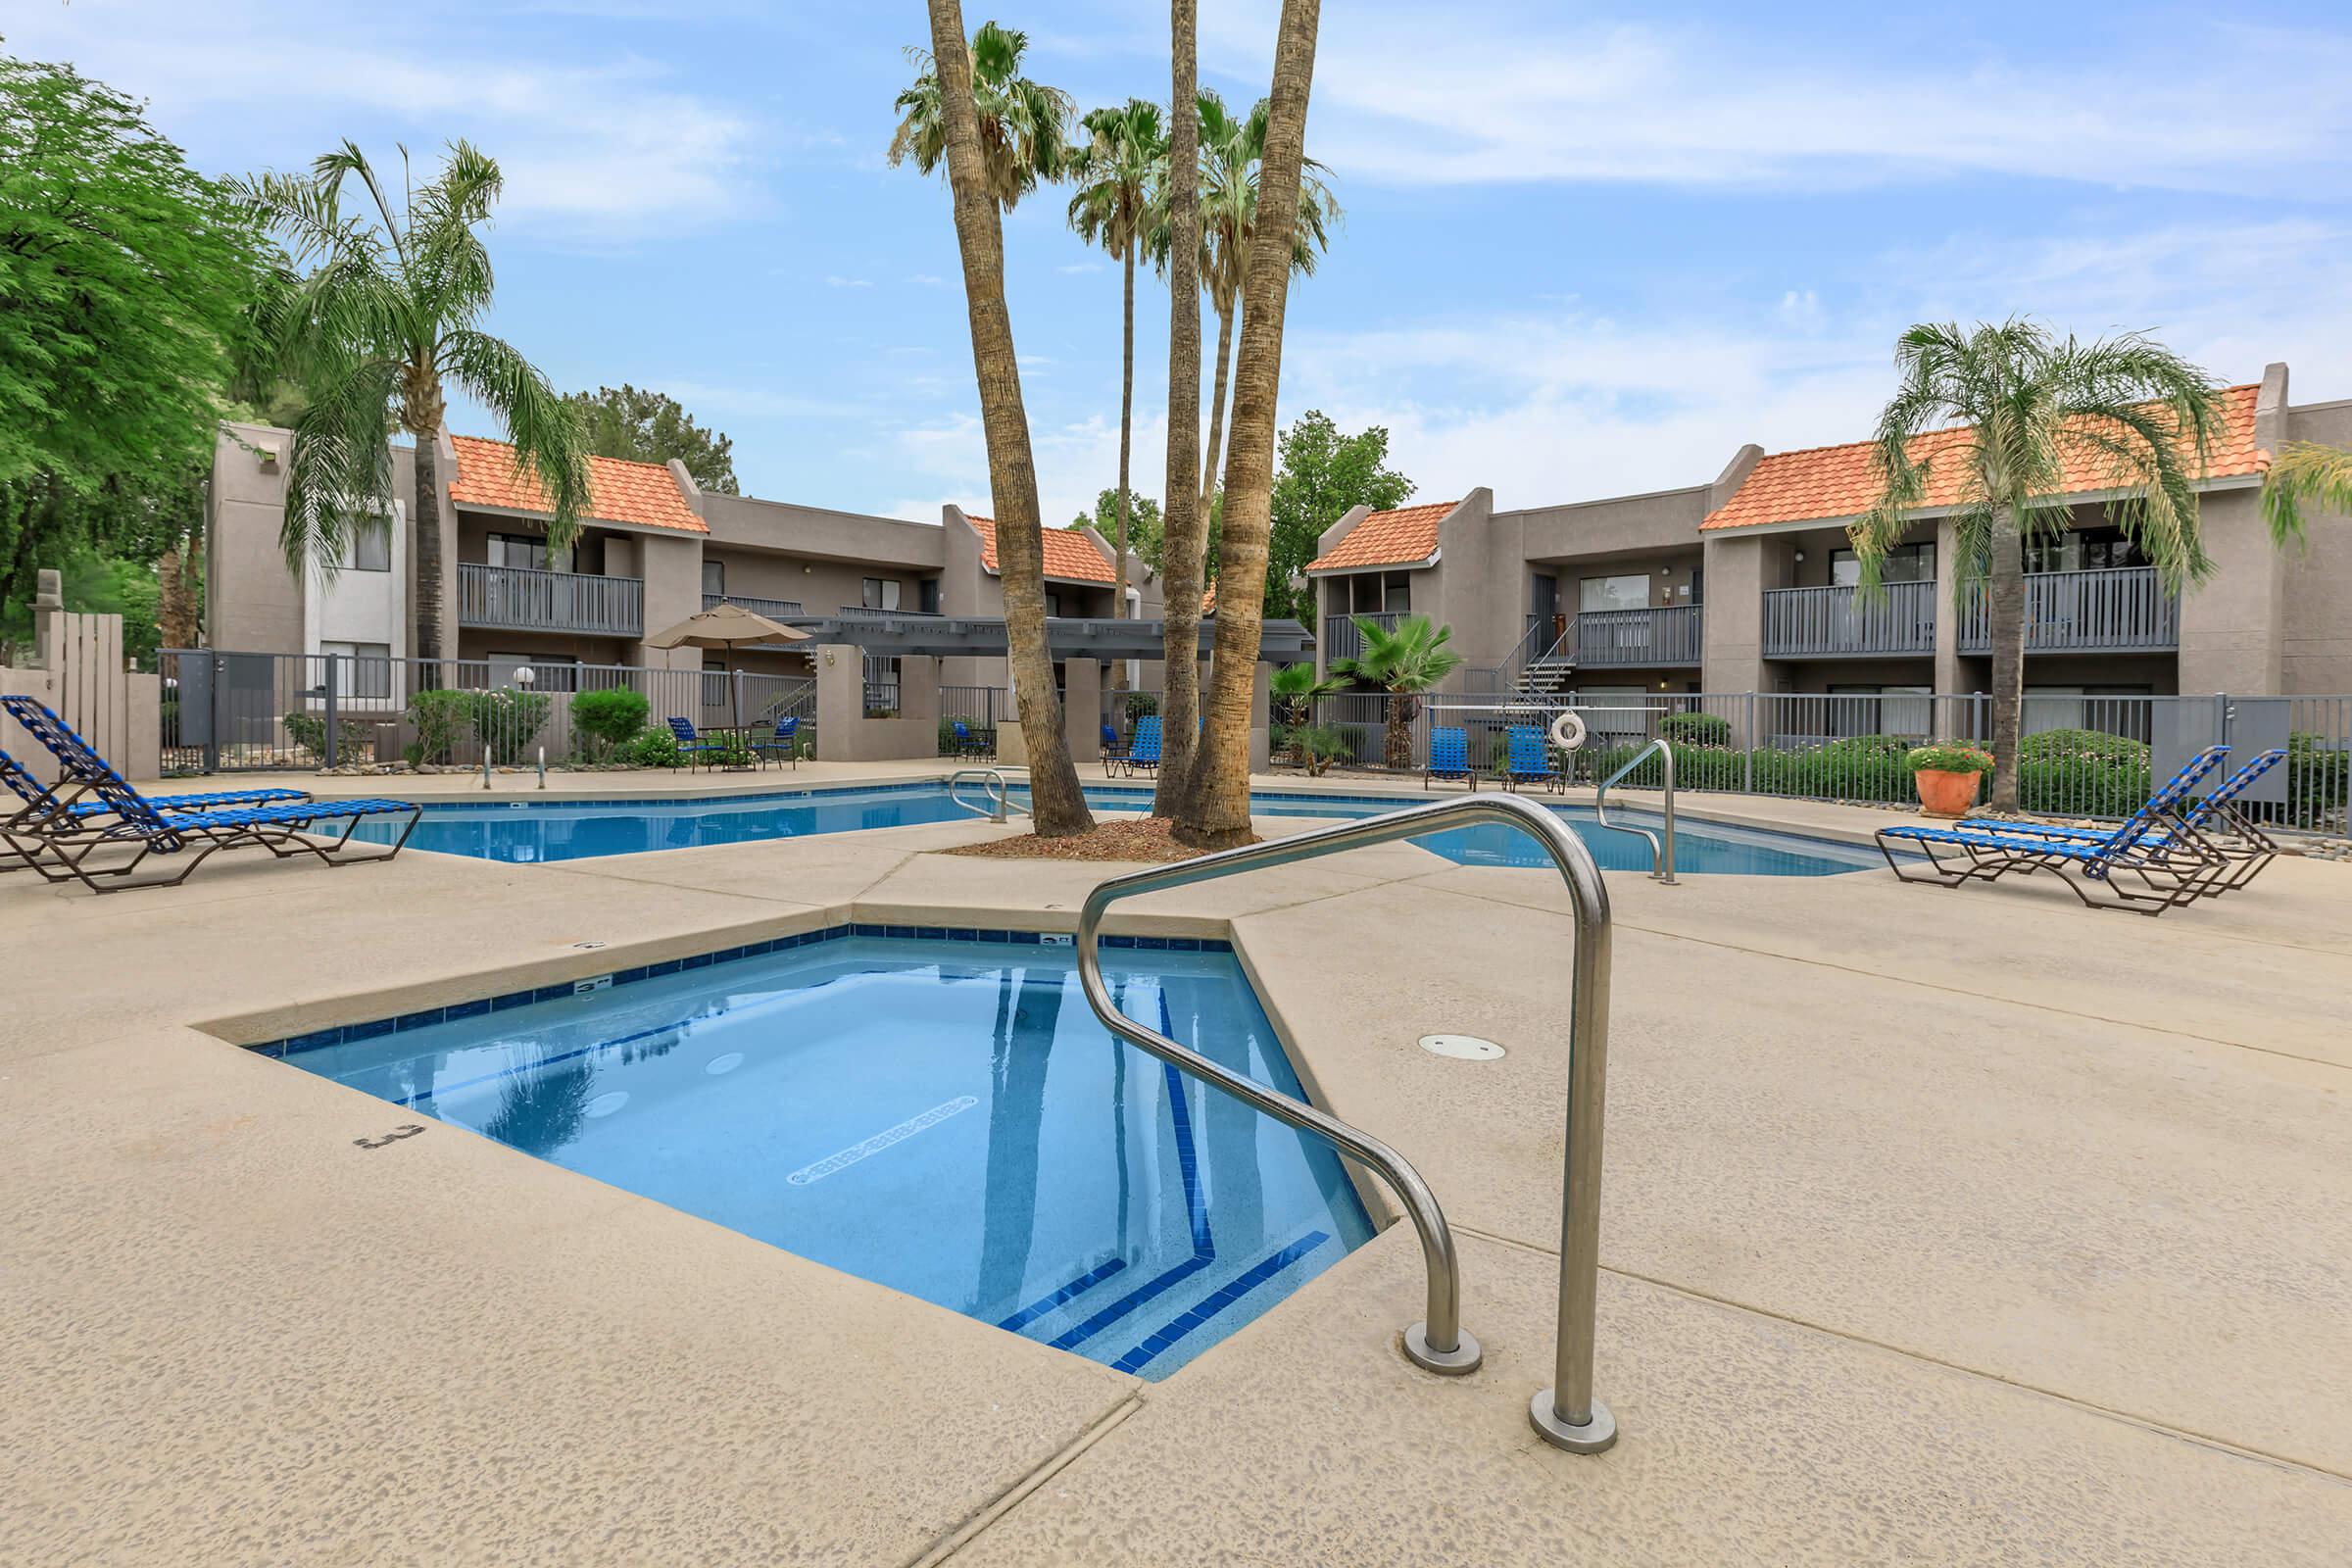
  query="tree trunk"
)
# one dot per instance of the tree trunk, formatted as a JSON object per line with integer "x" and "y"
{"x": 176, "y": 602}
{"x": 1397, "y": 750}
{"x": 1217, "y": 813}
{"x": 2006, "y": 586}
{"x": 425, "y": 512}
{"x": 1053, "y": 791}
{"x": 1184, "y": 524}
{"x": 1216, "y": 407}
{"x": 1118, "y": 569}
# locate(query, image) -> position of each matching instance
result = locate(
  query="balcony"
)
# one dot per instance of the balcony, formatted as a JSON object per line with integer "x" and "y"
{"x": 1341, "y": 639}
{"x": 1837, "y": 623}
{"x": 772, "y": 608}
{"x": 1624, "y": 639}
{"x": 521, "y": 599}
{"x": 2120, "y": 610}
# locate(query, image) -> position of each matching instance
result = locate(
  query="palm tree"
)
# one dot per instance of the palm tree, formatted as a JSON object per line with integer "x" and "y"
{"x": 383, "y": 321}
{"x": 2305, "y": 471}
{"x": 2040, "y": 413}
{"x": 1021, "y": 123}
{"x": 1215, "y": 812}
{"x": 1119, "y": 175}
{"x": 1182, "y": 534}
{"x": 1054, "y": 795}
{"x": 1404, "y": 662}
{"x": 1295, "y": 688}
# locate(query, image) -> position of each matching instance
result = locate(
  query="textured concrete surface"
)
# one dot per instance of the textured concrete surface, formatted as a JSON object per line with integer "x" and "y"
{"x": 1939, "y": 1226}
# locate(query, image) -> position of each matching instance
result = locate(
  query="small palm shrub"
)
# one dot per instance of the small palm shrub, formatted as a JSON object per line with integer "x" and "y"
{"x": 1319, "y": 746}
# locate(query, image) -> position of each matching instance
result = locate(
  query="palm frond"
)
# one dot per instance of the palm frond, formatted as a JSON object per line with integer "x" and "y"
{"x": 543, "y": 426}
{"x": 2305, "y": 471}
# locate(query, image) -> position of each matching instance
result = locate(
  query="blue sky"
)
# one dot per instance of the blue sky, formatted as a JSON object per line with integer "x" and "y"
{"x": 1587, "y": 250}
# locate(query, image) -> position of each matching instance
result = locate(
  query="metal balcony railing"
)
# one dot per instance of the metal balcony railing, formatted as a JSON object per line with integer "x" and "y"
{"x": 1623, "y": 638}
{"x": 524, "y": 599}
{"x": 2116, "y": 610}
{"x": 1838, "y": 622}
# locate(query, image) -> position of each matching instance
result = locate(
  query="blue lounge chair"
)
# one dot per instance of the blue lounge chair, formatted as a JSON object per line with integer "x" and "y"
{"x": 1142, "y": 751}
{"x": 2215, "y": 820}
{"x": 1448, "y": 757}
{"x": 691, "y": 746}
{"x": 1525, "y": 761}
{"x": 785, "y": 740}
{"x": 131, "y": 820}
{"x": 40, "y": 802}
{"x": 2170, "y": 868}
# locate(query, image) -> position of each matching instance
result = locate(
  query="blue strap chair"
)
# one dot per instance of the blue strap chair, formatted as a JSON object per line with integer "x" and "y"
{"x": 1115, "y": 755}
{"x": 691, "y": 746}
{"x": 128, "y": 819}
{"x": 2136, "y": 867}
{"x": 1448, "y": 757}
{"x": 968, "y": 744}
{"x": 1142, "y": 751}
{"x": 40, "y": 800}
{"x": 785, "y": 740}
{"x": 1526, "y": 760}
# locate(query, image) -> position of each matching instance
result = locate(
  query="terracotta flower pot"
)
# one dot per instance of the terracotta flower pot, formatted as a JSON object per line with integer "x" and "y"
{"x": 1942, "y": 794}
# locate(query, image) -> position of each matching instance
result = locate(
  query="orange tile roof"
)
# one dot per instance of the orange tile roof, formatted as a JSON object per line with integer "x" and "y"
{"x": 1406, "y": 537}
{"x": 619, "y": 491}
{"x": 1069, "y": 553}
{"x": 1829, "y": 483}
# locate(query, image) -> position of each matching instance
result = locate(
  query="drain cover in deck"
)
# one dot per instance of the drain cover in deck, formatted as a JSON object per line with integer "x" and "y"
{"x": 1462, "y": 1047}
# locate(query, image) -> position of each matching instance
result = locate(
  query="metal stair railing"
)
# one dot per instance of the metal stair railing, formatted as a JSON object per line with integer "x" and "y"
{"x": 998, "y": 797}
{"x": 1566, "y": 1414}
{"x": 1661, "y": 848}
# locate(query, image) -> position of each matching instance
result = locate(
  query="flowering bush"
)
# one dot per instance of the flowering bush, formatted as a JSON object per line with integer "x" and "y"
{"x": 1949, "y": 757}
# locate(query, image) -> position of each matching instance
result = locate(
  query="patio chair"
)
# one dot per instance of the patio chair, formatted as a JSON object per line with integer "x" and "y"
{"x": 2170, "y": 869}
{"x": 62, "y": 850}
{"x": 1115, "y": 755}
{"x": 1142, "y": 751}
{"x": 785, "y": 740}
{"x": 70, "y": 816}
{"x": 1526, "y": 761}
{"x": 1448, "y": 757}
{"x": 966, "y": 743}
{"x": 2222, "y": 828}
{"x": 691, "y": 746}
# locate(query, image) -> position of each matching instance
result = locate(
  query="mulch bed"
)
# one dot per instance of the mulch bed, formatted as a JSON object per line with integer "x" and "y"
{"x": 1148, "y": 839}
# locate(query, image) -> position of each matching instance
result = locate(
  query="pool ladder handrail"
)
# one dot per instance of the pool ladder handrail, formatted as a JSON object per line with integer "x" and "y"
{"x": 1661, "y": 850}
{"x": 1566, "y": 1414}
{"x": 998, "y": 793}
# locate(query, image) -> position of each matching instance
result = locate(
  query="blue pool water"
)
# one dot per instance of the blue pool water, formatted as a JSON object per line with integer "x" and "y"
{"x": 945, "y": 1117}
{"x": 585, "y": 830}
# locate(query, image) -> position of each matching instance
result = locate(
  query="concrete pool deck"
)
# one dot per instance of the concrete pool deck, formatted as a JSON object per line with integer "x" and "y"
{"x": 1967, "y": 1226}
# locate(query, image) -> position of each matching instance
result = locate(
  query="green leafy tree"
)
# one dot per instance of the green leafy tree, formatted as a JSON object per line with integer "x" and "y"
{"x": 646, "y": 426}
{"x": 126, "y": 284}
{"x": 1023, "y": 126}
{"x": 1324, "y": 473}
{"x": 1144, "y": 529}
{"x": 1404, "y": 662}
{"x": 383, "y": 321}
{"x": 2038, "y": 413}
{"x": 1119, "y": 170}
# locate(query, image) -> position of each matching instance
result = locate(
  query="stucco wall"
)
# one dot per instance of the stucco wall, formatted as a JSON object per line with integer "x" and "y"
{"x": 2316, "y": 644}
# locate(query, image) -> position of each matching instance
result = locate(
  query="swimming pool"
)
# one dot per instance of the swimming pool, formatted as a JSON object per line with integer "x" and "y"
{"x": 527, "y": 831}
{"x": 942, "y": 1114}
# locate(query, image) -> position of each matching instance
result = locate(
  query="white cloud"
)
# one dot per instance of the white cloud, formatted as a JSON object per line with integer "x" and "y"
{"x": 926, "y": 280}
{"x": 1075, "y": 267}
{"x": 252, "y": 83}
{"x": 1557, "y": 95}
{"x": 849, "y": 282}
{"x": 1075, "y": 461}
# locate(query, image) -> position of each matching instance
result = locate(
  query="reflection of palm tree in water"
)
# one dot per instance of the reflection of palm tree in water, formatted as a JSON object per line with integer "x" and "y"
{"x": 1230, "y": 1128}
{"x": 1020, "y": 1051}
{"x": 1119, "y": 1111}
{"x": 541, "y": 1111}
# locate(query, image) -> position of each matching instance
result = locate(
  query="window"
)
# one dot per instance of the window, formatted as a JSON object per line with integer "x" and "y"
{"x": 370, "y": 546}
{"x": 715, "y": 683}
{"x": 930, "y": 595}
{"x": 1380, "y": 593}
{"x": 362, "y": 669}
{"x": 2085, "y": 549}
{"x": 715, "y": 579}
{"x": 523, "y": 551}
{"x": 1904, "y": 564}
{"x": 1052, "y": 602}
{"x": 1906, "y": 711}
{"x": 882, "y": 593}
{"x": 1627, "y": 591}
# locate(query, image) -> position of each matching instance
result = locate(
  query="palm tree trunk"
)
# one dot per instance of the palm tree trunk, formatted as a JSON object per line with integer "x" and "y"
{"x": 1216, "y": 405}
{"x": 2006, "y": 573}
{"x": 1217, "y": 813}
{"x": 1119, "y": 571}
{"x": 1054, "y": 793}
{"x": 176, "y": 600}
{"x": 1184, "y": 540}
{"x": 1398, "y": 749}
{"x": 425, "y": 512}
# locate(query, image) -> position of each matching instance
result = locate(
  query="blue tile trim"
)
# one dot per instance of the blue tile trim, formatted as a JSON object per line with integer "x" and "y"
{"x": 347, "y": 1034}
{"x": 1077, "y": 1287}
{"x": 1168, "y": 1280}
{"x": 1205, "y": 1310}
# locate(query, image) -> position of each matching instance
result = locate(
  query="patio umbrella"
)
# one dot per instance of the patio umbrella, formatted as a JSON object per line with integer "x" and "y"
{"x": 726, "y": 625}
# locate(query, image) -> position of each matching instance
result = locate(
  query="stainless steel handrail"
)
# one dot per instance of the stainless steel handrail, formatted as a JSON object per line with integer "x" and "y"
{"x": 997, "y": 792}
{"x": 1566, "y": 1414}
{"x": 1661, "y": 850}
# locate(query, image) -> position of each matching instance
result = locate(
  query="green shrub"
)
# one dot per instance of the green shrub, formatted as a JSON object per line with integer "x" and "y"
{"x": 2082, "y": 772}
{"x": 651, "y": 748}
{"x": 1949, "y": 757}
{"x": 505, "y": 721}
{"x": 355, "y": 738}
{"x": 1696, "y": 729}
{"x": 2319, "y": 777}
{"x": 1319, "y": 746}
{"x": 440, "y": 717}
{"x": 604, "y": 720}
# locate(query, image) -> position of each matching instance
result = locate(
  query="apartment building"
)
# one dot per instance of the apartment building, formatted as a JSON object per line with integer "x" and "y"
{"x": 1746, "y": 583}
{"x": 653, "y": 548}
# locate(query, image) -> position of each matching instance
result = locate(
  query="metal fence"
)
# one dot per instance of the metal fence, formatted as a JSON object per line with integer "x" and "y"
{"x": 228, "y": 713}
{"x": 976, "y": 709}
{"x": 2086, "y": 755}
